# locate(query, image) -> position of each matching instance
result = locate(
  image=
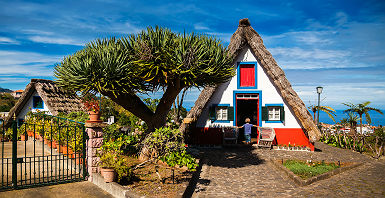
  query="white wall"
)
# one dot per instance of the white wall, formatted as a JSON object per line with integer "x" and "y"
{"x": 270, "y": 95}
{"x": 28, "y": 107}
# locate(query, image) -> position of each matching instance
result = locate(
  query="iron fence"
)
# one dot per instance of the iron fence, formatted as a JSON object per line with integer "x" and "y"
{"x": 44, "y": 150}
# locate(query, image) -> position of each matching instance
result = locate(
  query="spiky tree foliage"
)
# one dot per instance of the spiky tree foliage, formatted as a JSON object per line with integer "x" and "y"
{"x": 352, "y": 119}
{"x": 328, "y": 110}
{"x": 360, "y": 109}
{"x": 153, "y": 60}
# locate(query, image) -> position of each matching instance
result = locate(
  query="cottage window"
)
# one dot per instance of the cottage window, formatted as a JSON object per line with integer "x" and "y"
{"x": 37, "y": 102}
{"x": 221, "y": 112}
{"x": 274, "y": 113}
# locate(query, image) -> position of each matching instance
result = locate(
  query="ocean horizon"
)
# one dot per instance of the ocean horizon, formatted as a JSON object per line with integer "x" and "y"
{"x": 377, "y": 119}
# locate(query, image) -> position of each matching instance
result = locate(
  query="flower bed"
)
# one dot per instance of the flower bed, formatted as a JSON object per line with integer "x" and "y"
{"x": 291, "y": 148}
{"x": 147, "y": 183}
{"x": 309, "y": 168}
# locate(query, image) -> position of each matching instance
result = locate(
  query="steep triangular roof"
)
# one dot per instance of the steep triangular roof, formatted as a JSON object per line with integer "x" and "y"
{"x": 247, "y": 36}
{"x": 56, "y": 99}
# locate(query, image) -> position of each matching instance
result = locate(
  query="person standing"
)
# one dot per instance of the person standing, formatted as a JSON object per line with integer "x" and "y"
{"x": 247, "y": 127}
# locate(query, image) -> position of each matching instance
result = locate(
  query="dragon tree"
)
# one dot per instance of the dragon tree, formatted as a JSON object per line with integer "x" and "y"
{"x": 153, "y": 60}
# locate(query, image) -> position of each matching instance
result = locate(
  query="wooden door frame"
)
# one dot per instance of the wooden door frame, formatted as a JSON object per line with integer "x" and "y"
{"x": 236, "y": 105}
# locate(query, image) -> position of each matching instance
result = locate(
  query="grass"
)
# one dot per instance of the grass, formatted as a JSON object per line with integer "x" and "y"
{"x": 307, "y": 170}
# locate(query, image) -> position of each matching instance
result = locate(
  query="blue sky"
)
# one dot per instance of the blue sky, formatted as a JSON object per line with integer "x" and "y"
{"x": 335, "y": 44}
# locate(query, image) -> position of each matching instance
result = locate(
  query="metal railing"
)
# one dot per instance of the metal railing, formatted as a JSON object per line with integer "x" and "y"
{"x": 47, "y": 150}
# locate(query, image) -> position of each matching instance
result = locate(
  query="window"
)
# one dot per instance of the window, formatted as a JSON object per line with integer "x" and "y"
{"x": 247, "y": 75}
{"x": 37, "y": 102}
{"x": 274, "y": 113}
{"x": 221, "y": 112}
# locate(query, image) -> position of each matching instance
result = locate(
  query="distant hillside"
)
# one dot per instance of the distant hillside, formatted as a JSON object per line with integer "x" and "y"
{"x": 5, "y": 90}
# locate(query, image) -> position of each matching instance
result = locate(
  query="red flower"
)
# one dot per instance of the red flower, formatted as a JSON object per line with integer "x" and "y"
{"x": 91, "y": 104}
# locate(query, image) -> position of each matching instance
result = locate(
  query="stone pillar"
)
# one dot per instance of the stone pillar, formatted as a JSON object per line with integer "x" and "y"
{"x": 95, "y": 134}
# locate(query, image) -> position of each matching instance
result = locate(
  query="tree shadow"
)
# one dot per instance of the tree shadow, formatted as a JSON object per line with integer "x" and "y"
{"x": 232, "y": 157}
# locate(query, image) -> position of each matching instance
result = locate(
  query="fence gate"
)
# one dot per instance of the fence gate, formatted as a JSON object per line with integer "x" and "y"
{"x": 44, "y": 150}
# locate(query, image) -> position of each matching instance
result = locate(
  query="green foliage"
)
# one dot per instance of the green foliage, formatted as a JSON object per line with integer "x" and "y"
{"x": 111, "y": 132}
{"x": 7, "y": 101}
{"x": 60, "y": 130}
{"x": 5, "y": 90}
{"x": 152, "y": 60}
{"x": 309, "y": 169}
{"x": 108, "y": 159}
{"x": 151, "y": 103}
{"x": 180, "y": 158}
{"x": 168, "y": 147}
{"x": 361, "y": 109}
{"x": 111, "y": 156}
{"x": 79, "y": 116}
{"x": 328, "y": 110}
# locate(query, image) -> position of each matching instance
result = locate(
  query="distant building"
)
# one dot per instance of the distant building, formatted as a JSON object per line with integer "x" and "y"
{"x": 44, "y": 95}
{"x": 17, "y": 94}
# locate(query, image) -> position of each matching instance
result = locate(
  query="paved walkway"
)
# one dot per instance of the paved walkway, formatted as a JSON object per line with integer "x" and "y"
{"x": 247, "y": 172}
{"x": 71, "y": 190}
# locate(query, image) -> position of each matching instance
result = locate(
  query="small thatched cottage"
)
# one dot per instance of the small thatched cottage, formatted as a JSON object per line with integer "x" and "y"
{"x": 259, "y": 91}
{"x": 44, "y": 95}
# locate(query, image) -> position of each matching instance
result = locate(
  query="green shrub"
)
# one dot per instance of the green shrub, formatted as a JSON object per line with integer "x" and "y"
{"x": 167, "y": 145}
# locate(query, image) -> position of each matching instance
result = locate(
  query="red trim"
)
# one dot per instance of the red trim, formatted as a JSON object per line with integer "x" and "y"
{"x": 236, "y": 106}
{"x": 293, "y": 136}
{"x": 214, "y": 136}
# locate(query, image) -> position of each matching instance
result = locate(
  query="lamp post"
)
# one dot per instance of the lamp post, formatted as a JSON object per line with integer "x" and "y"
{"x": 319, "y": 91}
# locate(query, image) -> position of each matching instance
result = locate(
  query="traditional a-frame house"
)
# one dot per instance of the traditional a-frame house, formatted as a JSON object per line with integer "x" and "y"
{"x": 44, "y": 95}
{"x": 259, "y": 91}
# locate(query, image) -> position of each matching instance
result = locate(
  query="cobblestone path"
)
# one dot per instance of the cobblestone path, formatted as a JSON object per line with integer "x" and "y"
{"x": 247, "y": 172}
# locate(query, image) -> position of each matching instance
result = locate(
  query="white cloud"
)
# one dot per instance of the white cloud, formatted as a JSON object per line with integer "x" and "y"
{"x": 125, "y": 28}
{"x": 334, "y": 94}
{"x": 10, "y": 80}
{"x": 6, "y": 40}
{"x": 55, "y": 40}
{"x": 27, "y": 63}
{"x": 201, "y": 26}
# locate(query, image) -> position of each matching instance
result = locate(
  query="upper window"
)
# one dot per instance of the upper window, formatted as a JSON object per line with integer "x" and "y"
{"x": 37, "y": 102}
{"x": 274, "y": 113}
{"x": 247, "y": 75}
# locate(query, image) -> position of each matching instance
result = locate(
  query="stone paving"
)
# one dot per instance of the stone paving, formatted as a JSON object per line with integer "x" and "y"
{"x": 247, "y": 172}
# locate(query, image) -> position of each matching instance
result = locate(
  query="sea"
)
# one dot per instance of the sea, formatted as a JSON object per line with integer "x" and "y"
{"x": 377, "y": 119}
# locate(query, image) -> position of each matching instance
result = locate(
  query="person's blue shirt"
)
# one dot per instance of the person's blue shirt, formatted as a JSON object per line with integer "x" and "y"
{"x": 247, "y": 127}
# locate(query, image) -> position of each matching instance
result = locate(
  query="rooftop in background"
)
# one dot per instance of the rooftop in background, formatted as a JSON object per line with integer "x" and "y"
{"x": 17, "y": 94}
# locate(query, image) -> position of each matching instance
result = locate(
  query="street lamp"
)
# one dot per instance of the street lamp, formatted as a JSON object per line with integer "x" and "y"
{"x": 319, "y": 91}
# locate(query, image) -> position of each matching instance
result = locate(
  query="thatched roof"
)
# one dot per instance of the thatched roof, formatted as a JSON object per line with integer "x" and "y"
{"x": 247, "y": 36}
{"x": 56, "y": 99}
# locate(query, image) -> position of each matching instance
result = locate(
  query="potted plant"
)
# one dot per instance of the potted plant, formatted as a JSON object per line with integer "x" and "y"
{"x": 107, "y": 164}
{"x": 93, "y": 108}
